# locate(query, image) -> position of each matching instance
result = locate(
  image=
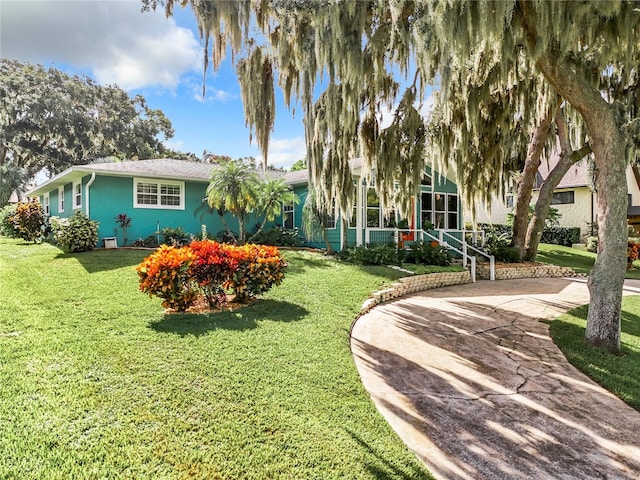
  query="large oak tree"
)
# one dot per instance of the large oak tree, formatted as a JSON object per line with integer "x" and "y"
{"x": 51, "y": 120}
{"x": 355, "y": 51}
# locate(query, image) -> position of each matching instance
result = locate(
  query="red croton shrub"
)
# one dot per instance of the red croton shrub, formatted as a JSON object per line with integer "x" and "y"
{"x": 207, "y": 269}
{"x": 633, "y": 251}
{"x": 259, "y": 267}
{"x": 166, "y": 274}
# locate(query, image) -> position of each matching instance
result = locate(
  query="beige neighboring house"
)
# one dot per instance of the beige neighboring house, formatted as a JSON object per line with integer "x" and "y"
{"x": 573, "y": 199}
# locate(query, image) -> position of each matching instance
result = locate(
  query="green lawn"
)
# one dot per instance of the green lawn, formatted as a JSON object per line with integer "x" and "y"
{"x": 618, "y": 374}
{"x": 96, "y": 382}
{"x": 580, "y": 260}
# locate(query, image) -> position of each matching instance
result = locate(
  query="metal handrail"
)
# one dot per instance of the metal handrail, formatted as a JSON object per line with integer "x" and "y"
{"x": 465, "y": 246}
{"x": 451, "y": 247}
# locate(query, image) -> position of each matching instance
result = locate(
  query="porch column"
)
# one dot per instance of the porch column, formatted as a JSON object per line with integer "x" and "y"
{"x": 359, "y": 215}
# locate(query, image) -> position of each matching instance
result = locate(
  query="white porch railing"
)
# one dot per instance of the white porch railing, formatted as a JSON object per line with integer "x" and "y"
{"x": 454, "y": 240}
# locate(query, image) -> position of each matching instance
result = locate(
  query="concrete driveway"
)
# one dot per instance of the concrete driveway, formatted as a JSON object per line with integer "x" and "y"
{"x": 470, "y": 380}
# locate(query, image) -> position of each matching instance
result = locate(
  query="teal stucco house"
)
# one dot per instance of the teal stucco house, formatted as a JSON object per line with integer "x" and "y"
{"x": 162, "y": 193}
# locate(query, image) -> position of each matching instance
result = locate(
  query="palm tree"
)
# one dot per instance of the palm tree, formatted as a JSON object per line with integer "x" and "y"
{"x": 313, "y": 220}
{"x": 234, "y": 188}
{"x": 272, "y": 194}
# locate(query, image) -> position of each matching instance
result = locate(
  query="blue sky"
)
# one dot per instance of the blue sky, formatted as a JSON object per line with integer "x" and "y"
{"x": 145, "y": 53}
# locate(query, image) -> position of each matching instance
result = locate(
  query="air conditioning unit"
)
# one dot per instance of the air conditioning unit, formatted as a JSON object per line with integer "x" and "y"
{"x": 110, "y": 242}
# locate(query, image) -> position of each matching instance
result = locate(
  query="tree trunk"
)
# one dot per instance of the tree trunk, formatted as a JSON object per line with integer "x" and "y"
{"x": 567, "y": 157}
{"x": 541, "y": 210}
{"x": 607, "y": 142}
{"x": 526, "y": 184}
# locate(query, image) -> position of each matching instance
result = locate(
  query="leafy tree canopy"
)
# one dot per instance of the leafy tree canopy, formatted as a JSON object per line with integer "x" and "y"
{"x": 358, "y": 50}
{"x": 51, "y": 120}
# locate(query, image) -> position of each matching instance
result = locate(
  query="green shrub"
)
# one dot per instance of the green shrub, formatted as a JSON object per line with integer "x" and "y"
{"x": 279, "y": 236}
{"x": 499, "y": 245}
{"x": 224, "y": 236}
{"x": 7, "y": 227}
{"x": 495, "y": 229}
{"x": 29, "y": 221}
{"x": 77, "y": 233}
{"x": 566, "y": 236}
{"x": 378, "y": 254}
{"x": 150, "y": 242}
{"x": 175, "y": 237}
{"x": 592, "y": 244}
{"x": 429, "y": 253}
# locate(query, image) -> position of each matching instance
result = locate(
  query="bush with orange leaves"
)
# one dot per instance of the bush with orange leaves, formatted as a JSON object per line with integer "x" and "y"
{"x": 259, "y": 267}
{"x": 206, "y": 268}
{"x": 167, "y": 275}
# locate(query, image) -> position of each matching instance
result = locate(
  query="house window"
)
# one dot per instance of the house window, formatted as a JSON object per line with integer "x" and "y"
{"x": 330, "y": 218}
{"x": 77, "y": 194}
{"x": 426, "y": 209}
{"x": 452, "y": 212}
{"x": 560, "y": 198}
{"x": 287, "y": 216}
{"x": 509, "y": 201}
{"x": 439, "y": 212}
{"x": 373, "y": 209}
{"x": 439, "y": 209}
{"x": 158, "y": 194}
{"x": 426, "y": 181}
{"x": 60, "y": 199}
{"x": 45, "y": 199}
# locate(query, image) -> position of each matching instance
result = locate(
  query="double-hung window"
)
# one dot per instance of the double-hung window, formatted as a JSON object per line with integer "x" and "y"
{"x": 287, "y": 216}
{"x": 77, "y": 194}
{"x": 45, "y": 199}
{"x": 60, "y": 199}
{"x": 165, "y": 194}
{"x": 330, "y": 217}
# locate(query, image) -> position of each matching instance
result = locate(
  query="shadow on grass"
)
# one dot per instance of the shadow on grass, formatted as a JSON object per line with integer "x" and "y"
{"x": 388, "y": 468}
{"x": 618, "y": 373}
{"x": 239, "y": 320}
{"x": 101, "y": 260}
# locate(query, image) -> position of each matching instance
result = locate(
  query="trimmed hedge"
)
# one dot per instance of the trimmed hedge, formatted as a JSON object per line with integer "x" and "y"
{"x": 565, "y": 236}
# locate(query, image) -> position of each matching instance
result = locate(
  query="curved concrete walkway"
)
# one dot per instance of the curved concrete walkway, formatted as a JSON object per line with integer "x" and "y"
{"x": 470, "y": 380}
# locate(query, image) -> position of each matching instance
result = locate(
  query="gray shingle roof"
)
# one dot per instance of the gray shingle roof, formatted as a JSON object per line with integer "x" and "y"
{"x": 576, "y": 176}
{"x": 163, "y": 168}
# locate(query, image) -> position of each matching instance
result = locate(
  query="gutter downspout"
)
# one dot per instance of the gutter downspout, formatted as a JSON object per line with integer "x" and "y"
{"x": 86, "y": 192}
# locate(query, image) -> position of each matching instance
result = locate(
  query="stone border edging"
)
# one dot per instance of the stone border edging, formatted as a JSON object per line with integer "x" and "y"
{"x": 413, "y": 284}
{"x": 536, "y": 271}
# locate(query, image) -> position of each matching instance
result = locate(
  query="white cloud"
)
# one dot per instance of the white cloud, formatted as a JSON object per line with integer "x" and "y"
{"x": 285, "y": 152}
{"x": 112, "y": 39}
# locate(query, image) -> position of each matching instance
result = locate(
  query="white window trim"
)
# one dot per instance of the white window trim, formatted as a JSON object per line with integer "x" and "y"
{"x": 47, "y": 207}
{"x": 292, "y": 211}
{"x": 159, "y": 182}
{"x": 334, "y": 214}
{"x": 75, "y": 196}
{"x": 61, "y": 199}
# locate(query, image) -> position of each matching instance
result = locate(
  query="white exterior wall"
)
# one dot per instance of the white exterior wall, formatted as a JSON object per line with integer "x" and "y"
{"x": 497, "y": 213}
{"x": 632, "y": 185}
{"x": 577, "y": 214}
